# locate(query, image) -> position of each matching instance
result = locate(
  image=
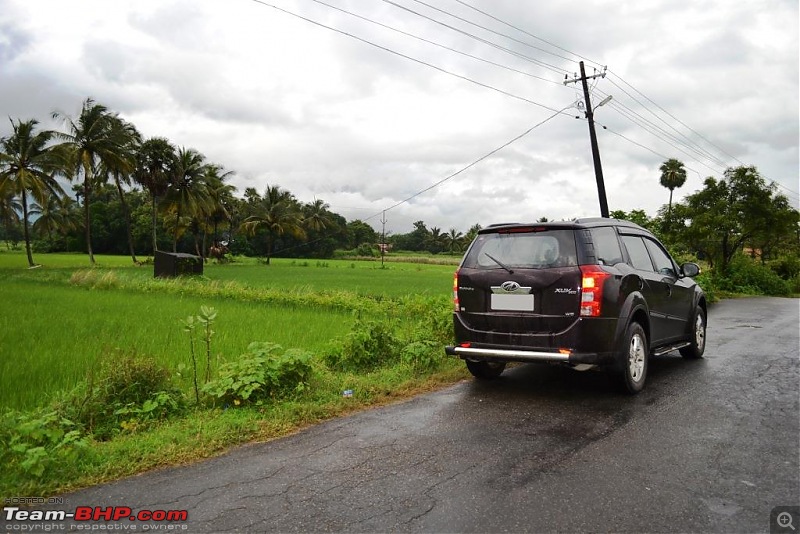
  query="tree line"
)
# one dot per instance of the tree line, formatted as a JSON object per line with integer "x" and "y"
{"x": 135, "y": 196}
{"x": 123, "y": 183}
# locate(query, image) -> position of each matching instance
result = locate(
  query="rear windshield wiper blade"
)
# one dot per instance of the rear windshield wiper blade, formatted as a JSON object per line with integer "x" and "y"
{"x": 498, "y": 262}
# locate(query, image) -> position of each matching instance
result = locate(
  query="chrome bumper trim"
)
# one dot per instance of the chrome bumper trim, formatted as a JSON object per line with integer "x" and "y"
{"x": 515, "y": 355}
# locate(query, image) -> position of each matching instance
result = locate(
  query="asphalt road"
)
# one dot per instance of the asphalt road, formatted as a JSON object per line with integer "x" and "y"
{"x": 709, "y": 446}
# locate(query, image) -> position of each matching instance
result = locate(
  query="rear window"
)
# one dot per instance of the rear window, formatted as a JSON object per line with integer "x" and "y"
{"x": 530, "y": 250}
{"x": 606, "y": 246}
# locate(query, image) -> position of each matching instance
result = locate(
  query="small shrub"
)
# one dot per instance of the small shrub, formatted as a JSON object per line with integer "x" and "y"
{"x": 747, "y": 276}
{"x": 36, "y": 440}
{"x": 365, "y": 249}
{"x": 126, "y": 389}
{"x": 370, "y": 344}
{"x": 787, "y": 268}
{"x": 264, "y": 372}
{"x": 422, "y": 355}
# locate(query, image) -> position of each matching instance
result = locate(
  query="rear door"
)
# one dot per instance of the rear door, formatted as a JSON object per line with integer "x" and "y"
{"x": 520, "y": 280}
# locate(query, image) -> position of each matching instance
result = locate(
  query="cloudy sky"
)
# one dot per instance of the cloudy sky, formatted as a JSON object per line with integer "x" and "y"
{"x": 365, "y": 103}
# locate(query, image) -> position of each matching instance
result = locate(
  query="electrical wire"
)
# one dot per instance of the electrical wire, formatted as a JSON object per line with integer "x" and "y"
{"x": 480, "y": 39}
{"x": 405, "y": 56}
{"x": 475, "y": 24}
{"x": 439, "y": 45}
{"x": 473, "y": 163}
{"x": 528, "y": 33}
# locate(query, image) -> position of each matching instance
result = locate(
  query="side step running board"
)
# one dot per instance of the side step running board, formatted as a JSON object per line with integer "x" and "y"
{"x": 664, "y": 350}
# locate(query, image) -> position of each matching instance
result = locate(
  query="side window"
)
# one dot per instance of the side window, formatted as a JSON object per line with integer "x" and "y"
{"x": 640, "y": 259}
{"x": 606, "y": 245}
{"x": 662, "y": 260}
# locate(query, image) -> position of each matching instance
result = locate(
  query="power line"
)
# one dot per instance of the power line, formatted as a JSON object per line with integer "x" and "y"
{"x": 405, "y": 56}
{"x": 690, "y": 144}
{"x": 475, "y": 24}
{"x": 648, "y": 125}
{"x": 434, "y": 43}
{"x": 480, "y": 39}
{"x": 528, "y": 33}
{"x": 664, "y": 157}
{"x": 475, "y": 162}
{"x": 671, "y": 116}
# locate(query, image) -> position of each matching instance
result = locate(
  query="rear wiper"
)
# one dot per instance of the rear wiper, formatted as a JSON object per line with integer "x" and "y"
{"x": 498, "y": 262}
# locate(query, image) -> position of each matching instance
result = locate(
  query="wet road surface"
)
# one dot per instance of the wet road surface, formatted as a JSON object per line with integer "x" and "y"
{"x": 709, "y": 446}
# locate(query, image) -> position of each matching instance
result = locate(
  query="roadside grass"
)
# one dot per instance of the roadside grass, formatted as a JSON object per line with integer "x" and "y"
{"x": 61, "y": 321}
{"x": 203, "y": 434}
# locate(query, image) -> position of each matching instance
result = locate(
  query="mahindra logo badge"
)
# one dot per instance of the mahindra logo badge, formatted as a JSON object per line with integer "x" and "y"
{"x": 510, "y": 286}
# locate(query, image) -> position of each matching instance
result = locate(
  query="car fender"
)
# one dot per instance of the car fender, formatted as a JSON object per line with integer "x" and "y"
{"x": 634, "y": 306}
{"x": 699, "y": 299}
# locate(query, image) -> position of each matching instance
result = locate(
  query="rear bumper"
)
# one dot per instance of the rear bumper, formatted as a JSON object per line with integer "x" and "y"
{"x": 497, "y": 354}
{"x": 589, "y": 341}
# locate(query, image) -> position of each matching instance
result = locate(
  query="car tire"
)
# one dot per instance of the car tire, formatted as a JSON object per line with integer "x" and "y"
{"x": 698, "y": 342}
{"x": 634, "y": 354}
{"x": 486, "y": 370}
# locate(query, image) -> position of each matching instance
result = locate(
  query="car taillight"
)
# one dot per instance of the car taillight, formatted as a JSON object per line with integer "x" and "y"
{"x": 593, "y": 278}
{"x": 455, "y": 291}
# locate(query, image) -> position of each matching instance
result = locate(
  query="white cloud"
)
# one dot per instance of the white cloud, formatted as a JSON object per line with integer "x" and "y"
{"x": 282, "y": 101}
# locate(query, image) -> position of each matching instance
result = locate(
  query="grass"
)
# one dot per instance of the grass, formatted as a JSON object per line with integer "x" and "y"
{"x": 360, "y": 277}
{"x": 60, "y": 320}
{"x": 54, "y": 334}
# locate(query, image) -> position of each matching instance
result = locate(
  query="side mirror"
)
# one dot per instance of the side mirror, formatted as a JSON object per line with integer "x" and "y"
{"x": 690, "y": 269}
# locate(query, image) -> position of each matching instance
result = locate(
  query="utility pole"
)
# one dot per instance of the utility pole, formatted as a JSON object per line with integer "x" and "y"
{"x": 383, "y": 236}
{"x": 598, "y": 167}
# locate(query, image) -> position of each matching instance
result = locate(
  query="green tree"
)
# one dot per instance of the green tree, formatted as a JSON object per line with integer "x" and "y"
{"x": 10, "y": 209}
{"x": 90, "y": 141}
{"x": 277, "y": 213}
{"x": 316, "y": 215}
{"x": 220, "y": 200}
{"x": 454, "y": 240}
{"x": 28, "y": 167}
{"x": 186, "y": 193}
{"x": 154, "y": 162}
{"x": 122, "y": 168}
{"x": 726, "y": 214}
{"x": 359, "y": 232}
{"x": 472, "y": 233}
{"x": 435, "y": 241}
{"x": 673, "y": 176}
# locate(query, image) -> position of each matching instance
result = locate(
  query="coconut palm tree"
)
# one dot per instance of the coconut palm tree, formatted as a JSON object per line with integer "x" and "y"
{"x": 673, "y": 176}
{"x": 122, "y": 169}
{"x": 277, "y": 213}
{"x": 89, "y": 141}
{"x": 316, "y": 215}
{"x": 220, "y": 199}
{"x": 455, "y": 240}
{"x": 435, "y": 240}
{"x": 10, "y": 209}
{"x": 186, "y": 193}
{"x": 28, "y": 166}
{"x": 155, "y": 159}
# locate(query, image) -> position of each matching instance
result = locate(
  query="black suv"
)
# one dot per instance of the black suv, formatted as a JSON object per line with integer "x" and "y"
{"x": 591, "y": 292}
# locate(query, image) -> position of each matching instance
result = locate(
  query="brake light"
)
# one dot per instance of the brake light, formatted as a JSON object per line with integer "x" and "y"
{"x": 593, "y": 278}
{"x": 455, "y": 291}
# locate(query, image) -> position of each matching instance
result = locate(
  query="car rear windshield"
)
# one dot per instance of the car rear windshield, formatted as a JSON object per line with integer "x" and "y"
{"x": 522, "y": 250}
